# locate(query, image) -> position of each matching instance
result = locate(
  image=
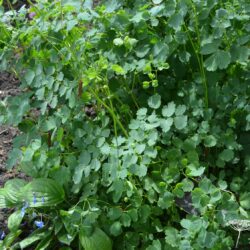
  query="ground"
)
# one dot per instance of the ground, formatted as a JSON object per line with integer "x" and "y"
{"x": 8, "y": 87}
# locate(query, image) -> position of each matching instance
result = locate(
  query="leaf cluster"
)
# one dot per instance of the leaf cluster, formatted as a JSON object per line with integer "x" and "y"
{"x": 134, "y": 120}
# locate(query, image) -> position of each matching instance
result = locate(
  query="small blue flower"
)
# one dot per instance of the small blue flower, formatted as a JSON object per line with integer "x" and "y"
{"x": 2, "y": 235}
{"x": 23, "y": 210}
{"x": 39, "y": 224}
{"x": 43, "y": 200}
{"x": 34, "y": 198}
{"x": 26, "y": 204}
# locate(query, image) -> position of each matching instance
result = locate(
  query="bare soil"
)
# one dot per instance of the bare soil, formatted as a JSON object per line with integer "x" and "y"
{"x": 8, "y": 87}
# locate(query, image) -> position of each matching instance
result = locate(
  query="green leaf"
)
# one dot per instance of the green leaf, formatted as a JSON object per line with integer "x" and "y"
{"x": 160, "y": 51}
{"x": 113, "y": 5}
{"x": 168, "y": 110}
{"x": 240, "y": 54}
{"x": 227, "y": 155}
{"x": 141, "y": 113}
{"x": 142, "y": 51}
{"x": 222, "y": 184}
{"x": 118, "y": 42}
{"x": 72, "y": 3}
{"x": 10, "y": 238}
{"x": 65, "y": 238}
{"x": 29, "y": 76}
{"x": 206, "y": 185}
{"x": 12, "y": 188}
{"x": 15, "y": 220}
{"x": 200, "y": 199}
{"x": 193, "y": 171}
{"x": 44, "y": 244}
{"x": 95, "y": 164}
{"x": 187, "y": 185}
{"x": 166, "y": 124}
{"x": 4, "y": 202}
{"x": 115, "y": 213}
{"x": 245, "y": 200}
{"x": 13, "y": 157}
{"x": 154, "y": 101}
{"x": 180, "y": 110}
{"x": 139, "y": 170}
{"x": 77, "y": 177}
{"x": 71, "y": 24}
{"x": 47, "y": 193}
{"x": 84, "y": 158}
{"x": 126, "y": 220}
{"x": 130, "y": 42}
{"x": 156, "y": 245}
{"x": 219, "y": 60}
{"x": 118, "y": 69}
{"x": 48, "y": 125}
{"x": 172, "y": 236}
{"x": 157, "y": 1}
{"x": 116, "y": 228}
{"x": 180, "y": 122}
{"x": 175, "y": 21}
{"x": 32, "y": 238}
{"x": 166, "y": 200}
{"x": 98, "y": 240}
{"x": 207, "y": 239}
{"x": 209, "y": 48}
{"x": 210, "y": 141}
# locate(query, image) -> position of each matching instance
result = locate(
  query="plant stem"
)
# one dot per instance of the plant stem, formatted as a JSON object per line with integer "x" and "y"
{"x": 238, "y": 238}
{"x": 132, "y": 94}
{"x": 112, "y": 113}
{"x": 196, "y": 51}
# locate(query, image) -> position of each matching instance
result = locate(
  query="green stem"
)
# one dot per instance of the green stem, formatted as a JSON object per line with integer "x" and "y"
{"x": 238, "y": 238}
{"x": 196, "y": 51}
{"x": 112, "y": 107}
{"x": 34, "y": 6}
{"x": 132, "y": 94}
{"x": 111, "y": 112}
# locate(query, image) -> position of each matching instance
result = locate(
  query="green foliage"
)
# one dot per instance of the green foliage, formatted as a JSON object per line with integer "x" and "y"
{"x": 134, "y": 120}
{"x": 97, "y": 240}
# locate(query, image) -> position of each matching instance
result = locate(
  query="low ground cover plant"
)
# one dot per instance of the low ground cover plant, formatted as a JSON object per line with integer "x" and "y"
{"x": 134, "y": 120}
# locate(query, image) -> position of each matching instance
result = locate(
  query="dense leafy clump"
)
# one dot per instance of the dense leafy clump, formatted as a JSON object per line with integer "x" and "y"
{"x": 134, "y": 119}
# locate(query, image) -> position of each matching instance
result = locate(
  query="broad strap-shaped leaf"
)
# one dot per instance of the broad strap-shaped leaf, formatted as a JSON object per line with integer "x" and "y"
{"x": 15, "y": 220}
{"x": 10, "y": 238}
{"x": 42, "y": 193}
{"x": 12, "y": 188}
{"x": 44, "y": 244}
{"x": 4, "y": 202}
{"x": 98, "y": 240}
{"x": 32, "y": 238}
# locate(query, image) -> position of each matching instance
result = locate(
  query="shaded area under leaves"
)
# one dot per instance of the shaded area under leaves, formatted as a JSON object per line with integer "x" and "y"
{"x": 8, "y": 87}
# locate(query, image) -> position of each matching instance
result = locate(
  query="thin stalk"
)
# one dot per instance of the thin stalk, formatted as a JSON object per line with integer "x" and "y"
{"x": 132, "y": 94}
{"x": 10, "y": 6}
{"x": 115, "y": 127}
{"x": 196, "y": 51}
{"x": 201, "y": 67}
{"x": 34, "y": 6}
{"x": 111, "y": 112}
{"x": 13, "y": 11}
{"x": 238, "y": 238}
{"x": 7, "y": 44}
{"x": 61, "y": 12}
{"x": 112, "y": 107}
